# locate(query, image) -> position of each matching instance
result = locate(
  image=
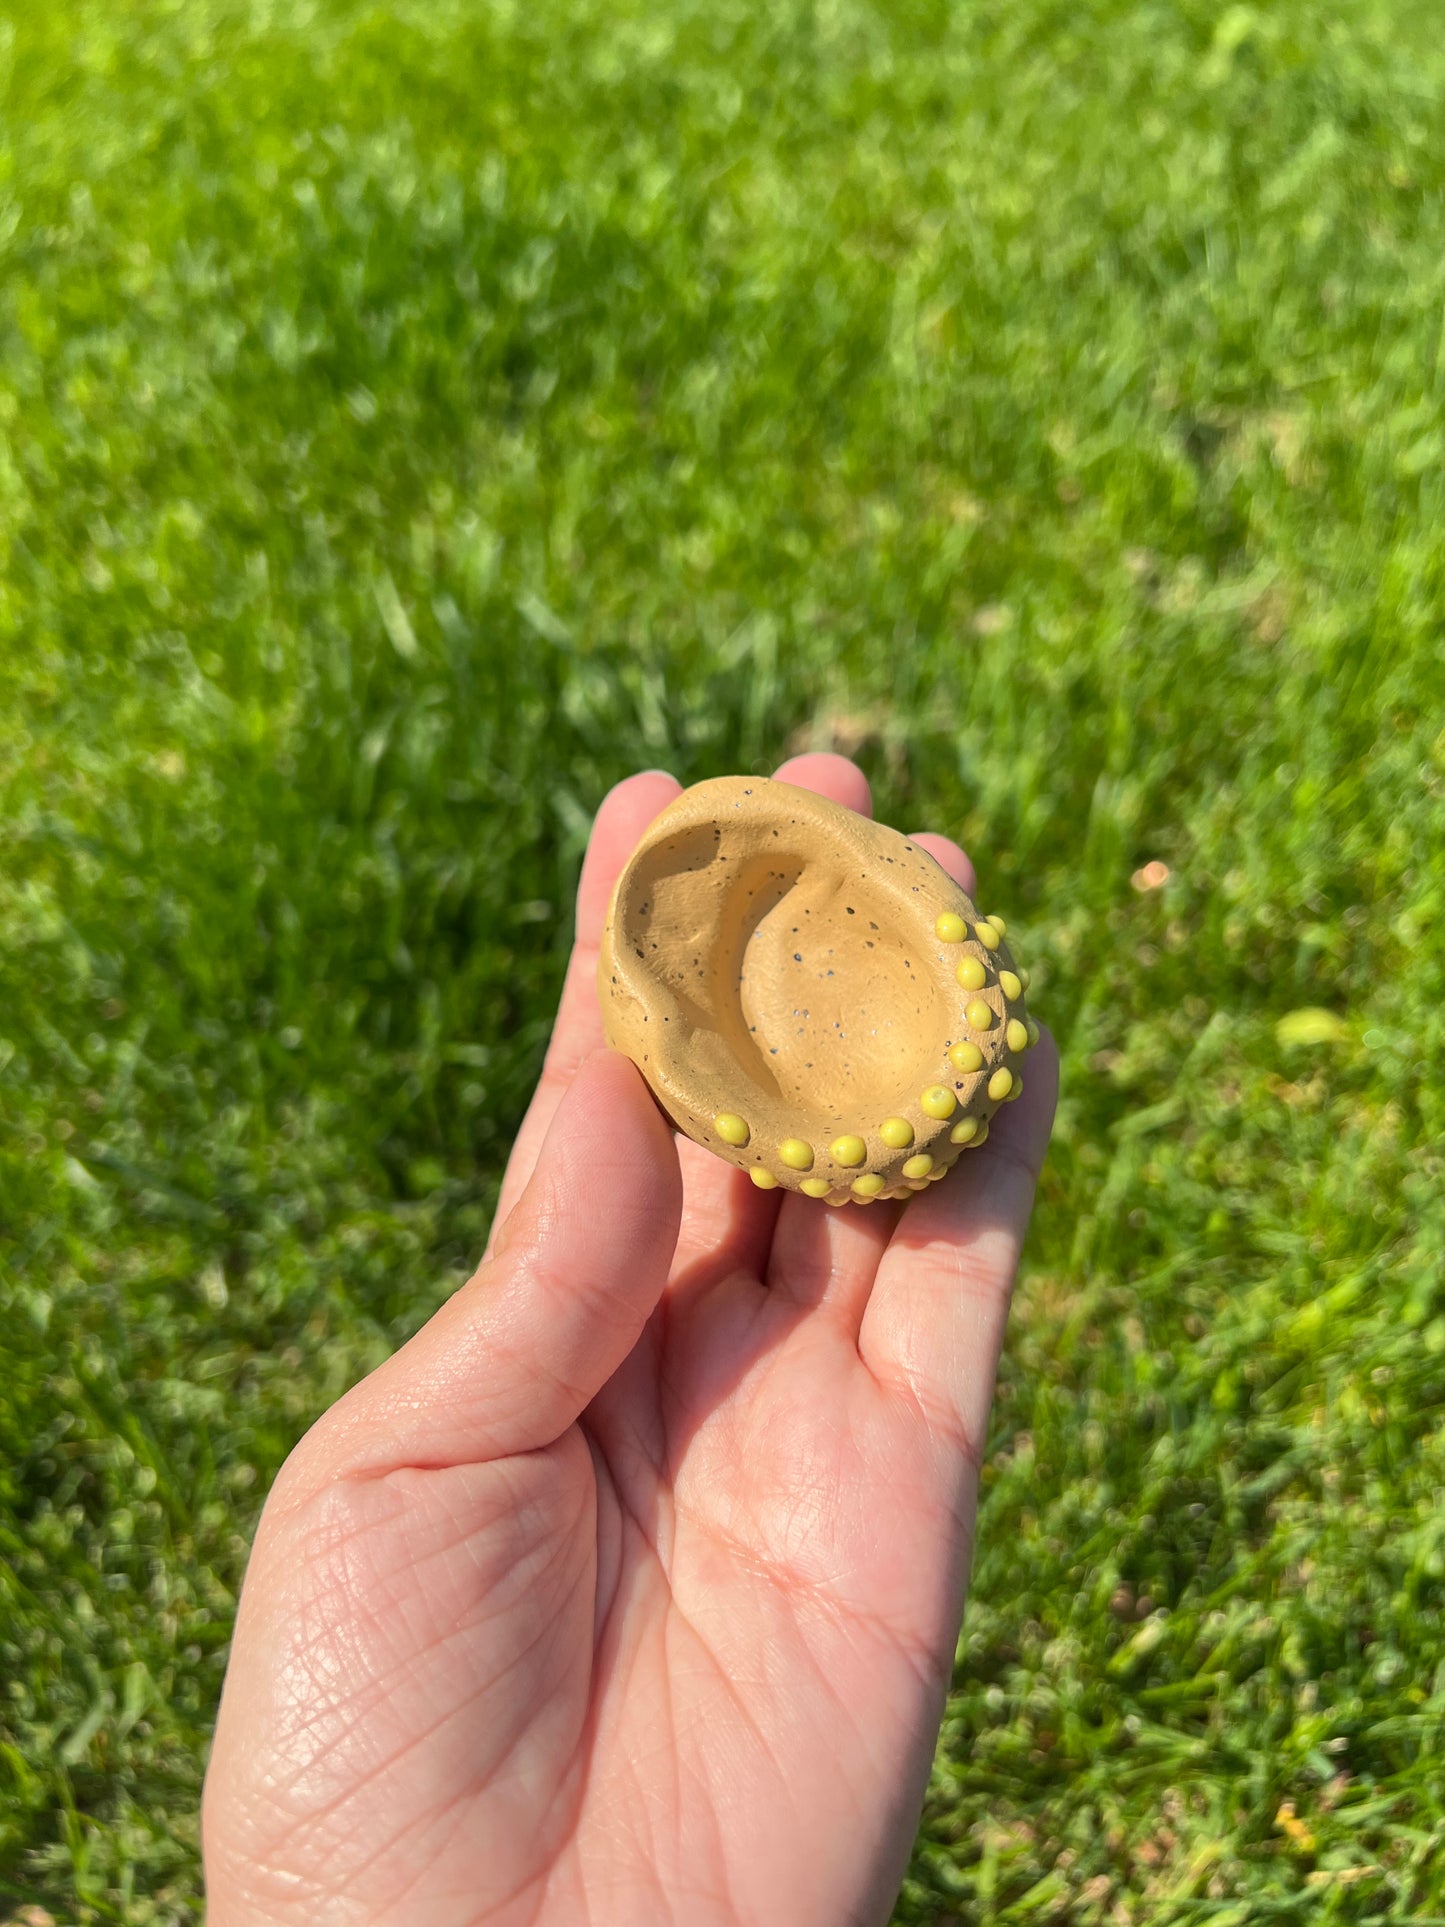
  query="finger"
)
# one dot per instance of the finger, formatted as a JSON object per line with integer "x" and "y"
{"x": 625, "y": 813}
{"x": 935, "y": 1321}
{"x": 825, "y": 1259}
{"x": 511, "y": 1360}
{"x": 727, "y": 1222}
{"x": 717, "y": 1193}
{"x": 828, "y": 775}
{"x": 946, "y": 852}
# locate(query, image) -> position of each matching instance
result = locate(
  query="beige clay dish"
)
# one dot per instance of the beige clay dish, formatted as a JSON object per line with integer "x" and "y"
{"x": 808, "y": 993}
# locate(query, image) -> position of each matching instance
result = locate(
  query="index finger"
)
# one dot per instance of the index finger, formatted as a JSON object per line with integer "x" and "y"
{"x": 622, "y": 816}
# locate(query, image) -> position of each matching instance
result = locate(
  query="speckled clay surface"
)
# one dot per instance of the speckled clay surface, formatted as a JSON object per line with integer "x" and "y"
{"x": 808, "y": 992}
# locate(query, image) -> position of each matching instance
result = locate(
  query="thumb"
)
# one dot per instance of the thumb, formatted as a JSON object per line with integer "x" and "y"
{"x": 512, "y": 1359}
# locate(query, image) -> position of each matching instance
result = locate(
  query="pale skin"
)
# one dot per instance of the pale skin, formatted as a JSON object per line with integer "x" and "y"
{"x": 626, "y": 1592}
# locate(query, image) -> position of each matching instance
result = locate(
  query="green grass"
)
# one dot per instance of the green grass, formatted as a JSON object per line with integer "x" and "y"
{"x": 414, "y": 417}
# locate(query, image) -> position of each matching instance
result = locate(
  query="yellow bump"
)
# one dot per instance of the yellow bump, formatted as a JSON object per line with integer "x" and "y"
{"x": 938, "y": 1101}
{"x": 1000, "y": 1084}
{"x": 934, "y": 1176}
{"x": 918, "y": 1184}
{"x": 896, "y": 1132}
{"x": 868, "y": 1186}
{"x": 1016, "y": 1089}
{"x": 815, "y": 1187}
{"x": 964, "y": 1132}
{"x": 971, "y": 973}
{"x": 1023, "y": 977}
{"x": 764, "y": 1180}
{"x": 918, "y": 1167}
{"x": 842, "y": 1200}
{"x": 966, "y": 1057}
{"x": 998, "y": 924}
{"x": 987, "y": 936}
{"x": 1033, "y": 1031}
{"x": 979, "y": 1014}
{"x": 982, "y": 1132}
{"x": 949, "y": 928}
{"x": 731, "y": 1128}
{"x": 1010, "y": 985}
{"x": 1016, "y": 1035}
{"x": 795, "y": 1154}
{"x": 848, "y": 1150}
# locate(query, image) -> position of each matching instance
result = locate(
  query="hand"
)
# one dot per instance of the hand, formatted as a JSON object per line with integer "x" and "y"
{"x": 627, "y": 1591}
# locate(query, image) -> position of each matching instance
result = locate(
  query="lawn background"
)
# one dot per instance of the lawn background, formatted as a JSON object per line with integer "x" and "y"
{"x": 413, "y": 418}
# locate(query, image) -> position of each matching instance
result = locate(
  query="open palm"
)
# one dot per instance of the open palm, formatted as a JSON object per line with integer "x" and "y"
{"x": 627, "y": 1591}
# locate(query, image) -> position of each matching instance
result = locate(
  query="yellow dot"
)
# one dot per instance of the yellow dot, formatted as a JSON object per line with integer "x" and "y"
{"x": 1023, "y": 977}
{"x": 966, "y": 1057}
{"x": 949, "y": 928}
{"x": 1016, "y": 1089}
{"x": 1000, "y": 1084}
{"x": 764, "y": 1180}
{"x": 971, "y": 973}
{"x": 1033, "y": 1031}
{"x": 938, "y": 1101}
{"x": 795, "y": 1154}
{"x": 987, "y": 936}
{"x": 1016, "y": 1035}
{"x": 842, "y": 1200}
{"x": 868, "y": 1186}
{"x": 848, "y": 1150}
{"x": 816, "y": 1187}
{"x": 1010, "y": 985}
{"x": 918, "y": 1167}
{"x": 896, "y": 1132}
{"x": 964, "y": 1132}
{"x": 917, "y": 1184}
{"x": 731, "y": 1128}
{"x": 934, "y": 1176}
{"x": 998, "y": 924}
{"x": 982, "y": 1132}
{"x": 980, "y": 1014}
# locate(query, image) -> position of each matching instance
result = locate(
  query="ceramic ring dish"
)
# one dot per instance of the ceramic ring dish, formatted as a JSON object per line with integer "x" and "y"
{"x": 809, "y": 994}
